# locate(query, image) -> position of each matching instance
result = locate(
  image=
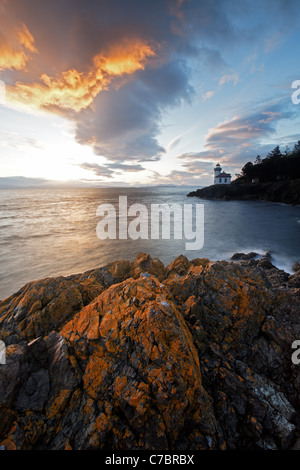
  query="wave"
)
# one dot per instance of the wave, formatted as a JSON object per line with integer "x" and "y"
{"x": 280, "y": 261}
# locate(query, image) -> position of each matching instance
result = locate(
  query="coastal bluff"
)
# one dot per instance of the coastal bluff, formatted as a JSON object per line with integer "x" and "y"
{"x": 196, "y": 355}
{"x": 287, "y": 192}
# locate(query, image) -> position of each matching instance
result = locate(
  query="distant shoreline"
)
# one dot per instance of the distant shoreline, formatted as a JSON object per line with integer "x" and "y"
{"x": 287, "y": 192}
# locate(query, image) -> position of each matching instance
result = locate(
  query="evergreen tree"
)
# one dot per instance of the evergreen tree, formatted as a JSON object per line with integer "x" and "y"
{"x": 275, "y": 166}
{"x": 257, "y": 160}
{"x": 275, "y": 153}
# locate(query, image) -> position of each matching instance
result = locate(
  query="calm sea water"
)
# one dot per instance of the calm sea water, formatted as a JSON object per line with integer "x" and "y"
{"x": 52, "y": 232}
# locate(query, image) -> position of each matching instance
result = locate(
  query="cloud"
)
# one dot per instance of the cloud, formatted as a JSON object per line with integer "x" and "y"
{"x": 211, "y": 58}
{"x": 15, "y": 52}
{"x": 273, "y": 42}
{"x": 114, "y": 69}
{"x": 244, "y": 136}
{"x": 124, "y": 122}
{"x": 191, "y": 174}
{"x": 98, "y": 170}
{"x": 204, "y": 156}
{"x": 21, "y": 182}
{"x": 228, "y": 78}
{"x": 174, "y": 142}
{"x": 199, "y": 168}
{"x": 208, "y": 95}
{"x": 177, "y": 177}
{"x": 24, "y": 182}
{"x": 76, "y": 90}
{"x": 241, "y": 130}
{"x": 108, "y": 171}
{"x": 132, "y": 168}
{"x": 18, "y": 141}
{"x": 238, "y": 140}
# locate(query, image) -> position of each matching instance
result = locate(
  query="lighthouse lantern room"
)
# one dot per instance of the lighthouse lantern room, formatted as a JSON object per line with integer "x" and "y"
{"x": 220, "y": 176}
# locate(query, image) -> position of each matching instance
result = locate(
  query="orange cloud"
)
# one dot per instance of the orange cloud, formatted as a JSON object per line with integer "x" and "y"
{"x": 124, "y": 58}
{"x": 26, "y": 39}
{"x": 75, "y": 90}
{"x": 14, "y": 52}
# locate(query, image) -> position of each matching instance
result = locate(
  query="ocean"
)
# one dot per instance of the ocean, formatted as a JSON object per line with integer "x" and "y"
{"x": 52, "y": 232}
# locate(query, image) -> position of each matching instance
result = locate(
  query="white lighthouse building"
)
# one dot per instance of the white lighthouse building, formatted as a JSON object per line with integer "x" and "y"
{"x": 220, "y": 176}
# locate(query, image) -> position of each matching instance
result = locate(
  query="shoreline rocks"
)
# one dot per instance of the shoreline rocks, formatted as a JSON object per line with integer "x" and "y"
{"x": 195, "y": 355}
{"x": 276, "y": 277}
{"x": 286, "y": 192}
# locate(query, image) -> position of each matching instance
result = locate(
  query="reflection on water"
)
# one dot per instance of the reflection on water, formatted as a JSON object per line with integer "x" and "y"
{"x": 47, "y": 232}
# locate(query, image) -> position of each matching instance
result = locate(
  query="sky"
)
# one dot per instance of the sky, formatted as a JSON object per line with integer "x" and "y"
{"x": 131, "y": 92}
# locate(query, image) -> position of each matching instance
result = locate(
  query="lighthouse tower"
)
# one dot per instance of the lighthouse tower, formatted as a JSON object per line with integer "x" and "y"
{"x": 217, "y": 171}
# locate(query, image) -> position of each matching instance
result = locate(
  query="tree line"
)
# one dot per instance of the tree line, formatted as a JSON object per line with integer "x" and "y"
{"x": 276, "y": 166}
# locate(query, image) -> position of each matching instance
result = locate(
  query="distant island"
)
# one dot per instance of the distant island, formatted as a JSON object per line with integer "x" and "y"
{"x": 275, "y": 178}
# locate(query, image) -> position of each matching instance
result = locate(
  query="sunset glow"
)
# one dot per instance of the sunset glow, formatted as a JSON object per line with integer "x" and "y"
{"x": 15, "y": 54}
{"x": 76, "y": 90}
{"x": 144, "y": 92}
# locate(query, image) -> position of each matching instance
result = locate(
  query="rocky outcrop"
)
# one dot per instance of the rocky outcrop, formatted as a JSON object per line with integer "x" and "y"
{"x": 287, "y": 192}
{"x": 137, "y": 355}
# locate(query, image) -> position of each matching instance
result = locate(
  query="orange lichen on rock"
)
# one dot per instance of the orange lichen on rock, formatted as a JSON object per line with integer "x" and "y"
{"x": 8, "y": 444}
{"x": 58, "y": 403}
{"x": 138, "y": 355}
{"x": 148, "y": 336}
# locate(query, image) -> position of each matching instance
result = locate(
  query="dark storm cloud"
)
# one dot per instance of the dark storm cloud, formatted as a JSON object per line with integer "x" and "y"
{"x": 71, "y": 32}
{"x": 124, "y": 122}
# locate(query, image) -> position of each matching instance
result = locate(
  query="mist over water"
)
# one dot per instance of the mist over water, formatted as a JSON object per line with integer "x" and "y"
{"x": 52, "y": 232}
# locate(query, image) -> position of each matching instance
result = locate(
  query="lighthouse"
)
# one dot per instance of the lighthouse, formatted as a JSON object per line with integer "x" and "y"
{"x": 220, "y": 176}
{"x": 217, "y": 171}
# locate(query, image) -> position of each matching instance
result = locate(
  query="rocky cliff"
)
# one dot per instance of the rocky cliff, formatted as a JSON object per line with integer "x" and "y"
{"x": 287, "y": 192}
{"x": 138, "y": 355}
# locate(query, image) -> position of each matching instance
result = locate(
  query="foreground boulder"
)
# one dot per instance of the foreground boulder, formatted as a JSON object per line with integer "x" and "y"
{"x": 137, "y": 355}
